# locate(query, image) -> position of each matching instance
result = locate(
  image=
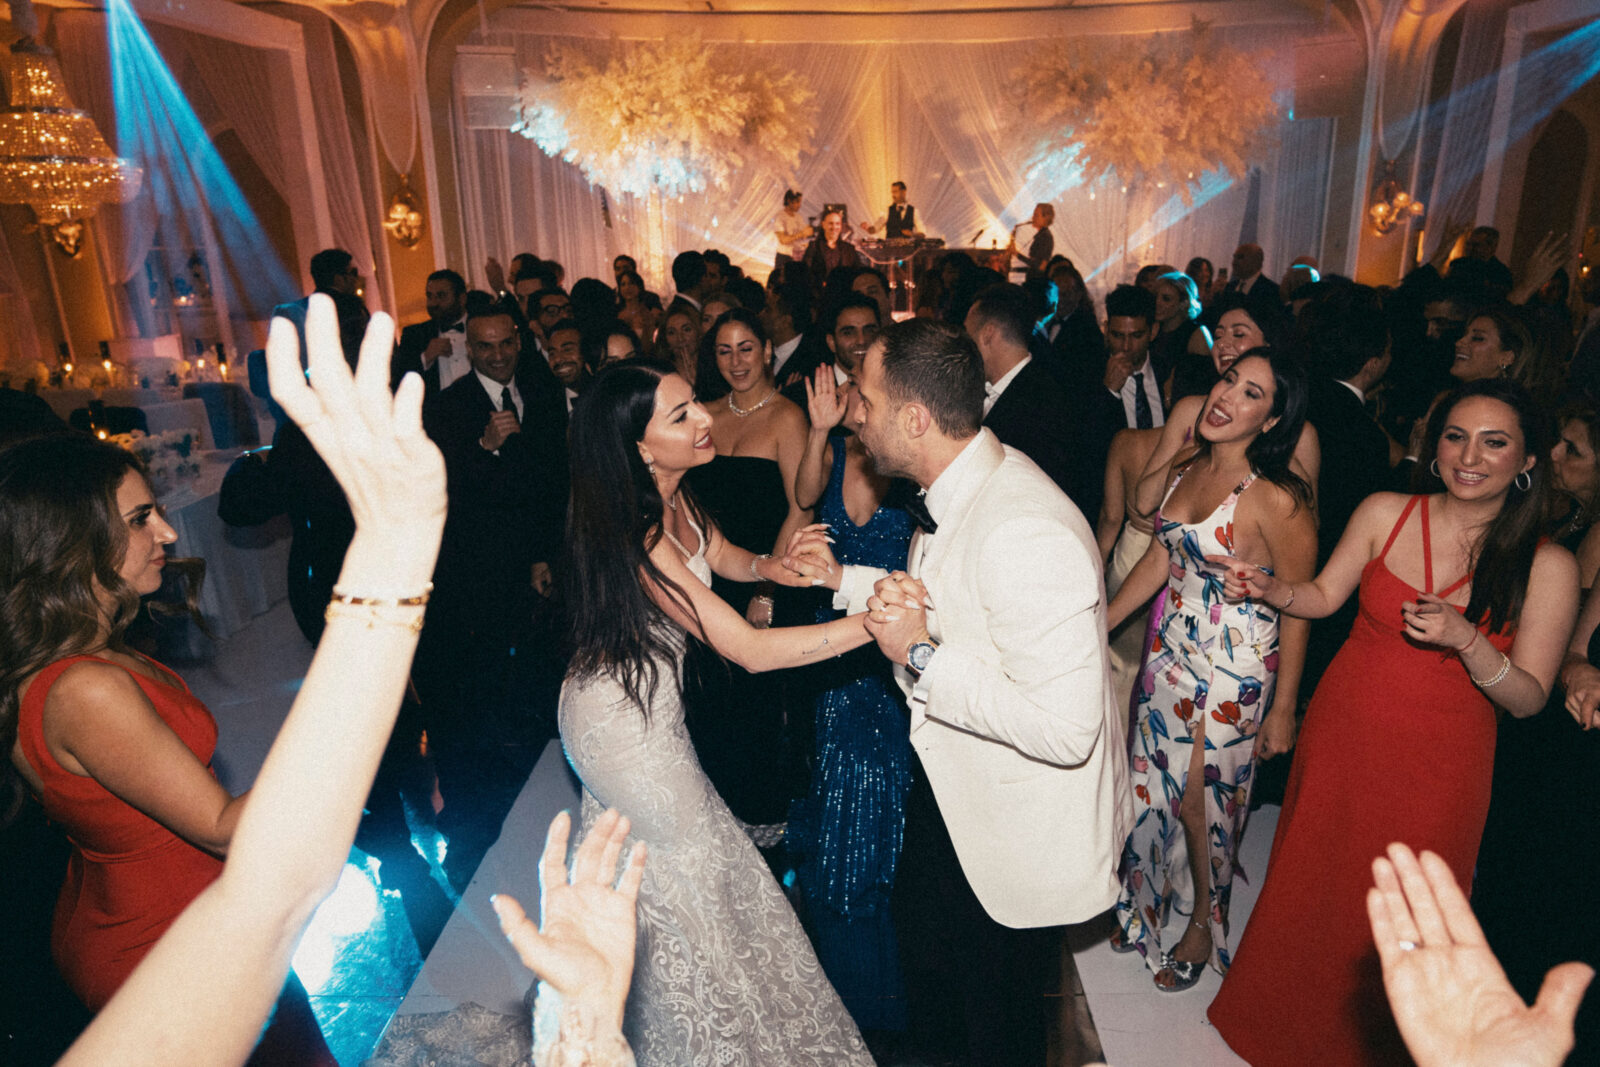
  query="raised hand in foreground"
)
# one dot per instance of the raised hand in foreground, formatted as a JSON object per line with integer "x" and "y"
{"x": 582, "y": 950}
{"x": 201, "y": 995}
{"x": 1450, "y": 997}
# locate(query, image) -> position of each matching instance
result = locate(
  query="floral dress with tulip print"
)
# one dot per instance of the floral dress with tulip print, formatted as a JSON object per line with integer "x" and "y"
{"x": 1211, "y": 660}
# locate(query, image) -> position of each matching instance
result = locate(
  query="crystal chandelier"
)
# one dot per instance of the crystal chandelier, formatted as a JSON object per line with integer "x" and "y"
{"x": 52, "y": 157}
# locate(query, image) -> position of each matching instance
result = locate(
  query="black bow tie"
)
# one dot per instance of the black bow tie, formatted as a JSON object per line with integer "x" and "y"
{"x": 917, "y": 508}
{"x": 459, "y": 327}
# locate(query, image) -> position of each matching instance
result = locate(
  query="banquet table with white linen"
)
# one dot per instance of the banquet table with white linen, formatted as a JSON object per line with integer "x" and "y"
{"x": 246, "y": 567}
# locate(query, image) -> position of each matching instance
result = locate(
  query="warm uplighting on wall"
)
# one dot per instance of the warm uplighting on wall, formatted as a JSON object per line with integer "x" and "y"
{"x": 405, "y": 220}
{"x": 1391, "y": 204}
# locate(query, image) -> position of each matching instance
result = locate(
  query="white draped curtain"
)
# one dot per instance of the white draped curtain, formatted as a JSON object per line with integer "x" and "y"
{"x": 935, "y": 116}
{"x": 350, "y": 211}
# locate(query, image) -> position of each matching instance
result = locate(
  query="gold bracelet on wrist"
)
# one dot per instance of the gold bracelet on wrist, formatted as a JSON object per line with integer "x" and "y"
{"x": 344, "y": 596}
{"x": 408, "y": 616}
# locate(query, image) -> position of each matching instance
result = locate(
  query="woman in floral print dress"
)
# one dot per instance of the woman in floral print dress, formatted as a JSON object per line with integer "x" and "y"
{"x": 1205, "y": 694}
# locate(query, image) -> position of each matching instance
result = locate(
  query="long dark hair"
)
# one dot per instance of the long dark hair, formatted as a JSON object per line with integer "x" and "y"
{"x": 60, "y": 534}
{"x": 709, "y": 384}
{"x": 614, "y": 520}
{"x": 1503, "y": 557}
{"x": 1273, "y": 448}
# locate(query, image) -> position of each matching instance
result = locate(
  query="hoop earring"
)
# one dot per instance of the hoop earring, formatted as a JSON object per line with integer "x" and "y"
{"x": 1434, "y": 468}
{"x": 1518, "y": 481}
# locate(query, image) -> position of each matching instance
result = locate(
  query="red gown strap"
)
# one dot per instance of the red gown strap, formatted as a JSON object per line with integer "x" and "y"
{"x": 1427, "y": 551}
{"x": 1400, "y": 525}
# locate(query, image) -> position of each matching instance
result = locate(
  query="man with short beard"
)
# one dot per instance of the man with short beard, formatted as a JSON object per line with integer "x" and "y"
{"x": 436, "y": 348}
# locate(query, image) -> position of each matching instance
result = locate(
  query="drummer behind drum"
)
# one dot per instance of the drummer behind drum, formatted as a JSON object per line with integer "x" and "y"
{"x": 899, "y": 223}
{"x": 792, "y": 232}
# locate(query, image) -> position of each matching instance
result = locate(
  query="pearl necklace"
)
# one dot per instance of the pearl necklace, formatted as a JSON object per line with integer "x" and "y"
{"x": 742, "y": 412}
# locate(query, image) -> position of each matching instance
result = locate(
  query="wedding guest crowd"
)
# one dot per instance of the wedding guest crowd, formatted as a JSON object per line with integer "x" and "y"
{"x": 1345, "y": 540}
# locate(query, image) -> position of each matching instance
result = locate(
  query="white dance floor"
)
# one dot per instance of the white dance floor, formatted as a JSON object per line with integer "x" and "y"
{"x": 251, "y": 681}
{"x": 1140, "y": 1026}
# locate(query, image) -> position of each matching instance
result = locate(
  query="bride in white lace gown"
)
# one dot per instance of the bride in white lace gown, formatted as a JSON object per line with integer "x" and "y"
{"x": 724, "y": 972}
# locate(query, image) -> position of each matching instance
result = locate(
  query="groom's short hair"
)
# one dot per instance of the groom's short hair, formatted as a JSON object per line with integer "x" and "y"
{"x": 935, "y": 365}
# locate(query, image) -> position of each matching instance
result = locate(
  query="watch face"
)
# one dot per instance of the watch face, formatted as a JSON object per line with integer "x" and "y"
{"x": 919, "y": 655}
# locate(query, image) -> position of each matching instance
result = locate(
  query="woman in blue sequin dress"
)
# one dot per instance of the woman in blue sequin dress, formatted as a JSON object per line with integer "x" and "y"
{"x": 845, "y": 834}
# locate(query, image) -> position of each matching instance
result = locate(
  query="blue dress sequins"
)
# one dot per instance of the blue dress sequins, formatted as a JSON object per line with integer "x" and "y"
{"x": 846, "y": 833}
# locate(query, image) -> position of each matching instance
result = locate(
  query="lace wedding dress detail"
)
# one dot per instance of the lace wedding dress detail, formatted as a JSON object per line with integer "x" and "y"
{"x": 724, "y": 975}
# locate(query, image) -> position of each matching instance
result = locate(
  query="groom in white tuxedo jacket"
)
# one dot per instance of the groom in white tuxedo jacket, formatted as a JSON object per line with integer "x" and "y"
{"x": 997, "y": 629}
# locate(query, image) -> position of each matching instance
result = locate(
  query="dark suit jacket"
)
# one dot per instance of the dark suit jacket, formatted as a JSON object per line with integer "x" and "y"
{"x": 1355, "y": 459}
{"x": 506, "y": 509}
{"x": 1040, "y": 419}
{"x": 414, "y": 340}
{"x": 812, "y": 353}
{"x": 1264, "y": 293}
{"x": 1080, "y": 345}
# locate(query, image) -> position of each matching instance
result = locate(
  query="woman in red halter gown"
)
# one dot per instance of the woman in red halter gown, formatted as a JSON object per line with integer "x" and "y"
{"x": 114, "y": 746}
{"x": 1398, "y": 744}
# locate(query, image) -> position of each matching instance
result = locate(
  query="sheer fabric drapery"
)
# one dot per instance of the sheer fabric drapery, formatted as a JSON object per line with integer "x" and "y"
{"x": 348, "y": 205}
{"x": 936, "y": 116}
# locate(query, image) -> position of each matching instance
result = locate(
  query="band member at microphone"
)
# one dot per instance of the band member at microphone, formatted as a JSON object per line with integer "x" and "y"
{"x": 1032, "y": 244}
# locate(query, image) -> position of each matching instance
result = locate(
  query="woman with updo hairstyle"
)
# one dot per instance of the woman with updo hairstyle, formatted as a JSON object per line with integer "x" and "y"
{"x": 113, "y": 745}
{"x": 1466, "y": 613}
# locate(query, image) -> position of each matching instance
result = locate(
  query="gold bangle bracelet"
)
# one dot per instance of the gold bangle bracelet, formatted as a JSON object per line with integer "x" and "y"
{"x": 375, "y": 615}
{"x": 343, "y": 596}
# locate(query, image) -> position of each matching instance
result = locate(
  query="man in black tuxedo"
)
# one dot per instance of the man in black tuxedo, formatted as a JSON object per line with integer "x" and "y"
{"x": 1072, "y": 331}
{"x": 689, "y": 282}
{"x": 1346, "y": 345}
{"x": 436, "y": 348}
{"x": 1248, "y": 259}
{"x": 507, "y": 507}
{"x": 1025, "y": 405}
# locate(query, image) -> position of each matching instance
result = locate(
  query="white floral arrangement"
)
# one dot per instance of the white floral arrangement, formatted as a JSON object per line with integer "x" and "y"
{"x": 1162, "y": 110}
{"x": 668, "y": 116}
{"x": 168, "y": 457}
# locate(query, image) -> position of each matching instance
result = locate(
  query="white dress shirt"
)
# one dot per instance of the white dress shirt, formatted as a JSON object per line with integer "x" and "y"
{"x": 456, "y": 364}
{"x": 781, "y": 354}
{"x": 991, "y": 393}
{"x": 1152, "y": 392}
{"x": 495, "y": 389}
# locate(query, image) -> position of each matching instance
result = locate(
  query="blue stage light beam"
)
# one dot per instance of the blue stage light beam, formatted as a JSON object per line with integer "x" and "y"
{"x": 190, "y": 184}
{"x": 1544, "y": 80}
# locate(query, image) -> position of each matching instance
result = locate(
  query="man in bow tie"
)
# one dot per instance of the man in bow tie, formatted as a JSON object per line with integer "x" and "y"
{"x": 1021, "y": 802}
{"x": 436, "y": 348}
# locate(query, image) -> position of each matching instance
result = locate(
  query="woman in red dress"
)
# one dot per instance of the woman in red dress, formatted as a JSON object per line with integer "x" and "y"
{"x": 113, "y": 744}
{"x": 1398, "y": 744}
